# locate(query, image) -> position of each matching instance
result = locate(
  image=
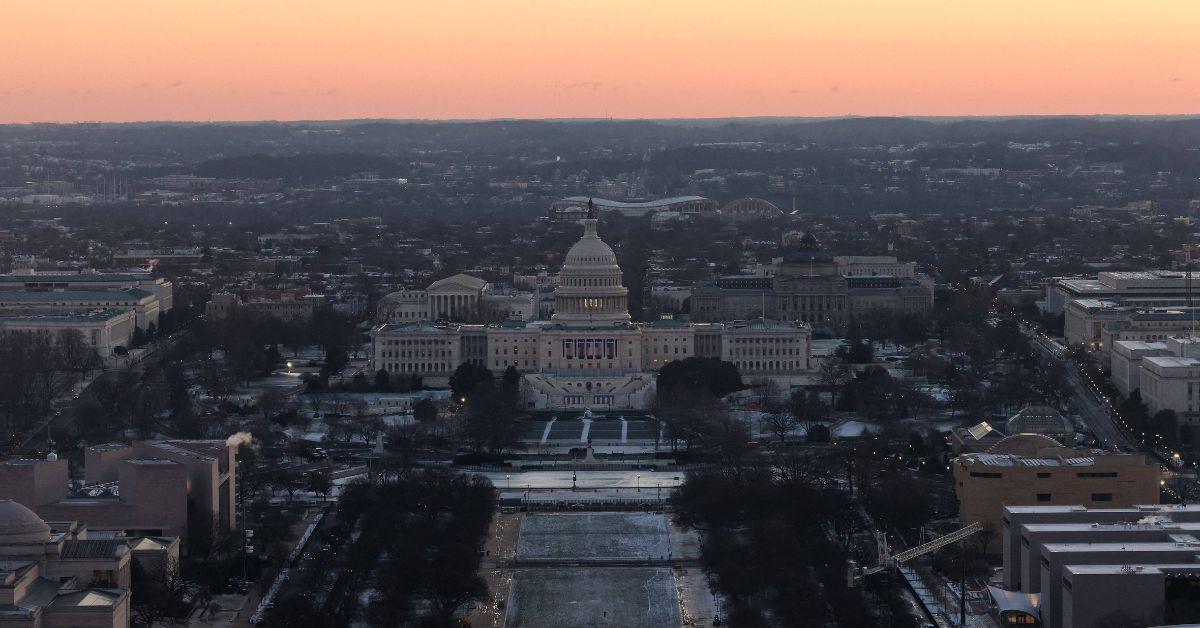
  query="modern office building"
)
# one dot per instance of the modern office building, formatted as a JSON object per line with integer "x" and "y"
{"x": 1079, "y": 567}
{"x": 1123, "y": 305}
{"x": 149, "y": 488}
{"x": 1151, "y": 288}
{"x": 1032, "y": 469}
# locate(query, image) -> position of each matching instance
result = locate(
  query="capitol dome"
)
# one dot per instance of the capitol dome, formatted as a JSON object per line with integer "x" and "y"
{"x": 590, "y": 251}
{"x": 20, "y": 525}
{"x": 589, "y": 283}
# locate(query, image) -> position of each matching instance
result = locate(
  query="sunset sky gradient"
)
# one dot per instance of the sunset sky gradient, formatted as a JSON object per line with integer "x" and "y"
{"x": 126, "y": 60}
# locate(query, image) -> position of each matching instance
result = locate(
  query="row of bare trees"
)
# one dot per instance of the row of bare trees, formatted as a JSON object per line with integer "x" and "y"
{"x": 39, "y": 368}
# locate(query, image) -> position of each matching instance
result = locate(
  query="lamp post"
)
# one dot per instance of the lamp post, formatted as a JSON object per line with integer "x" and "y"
{"x": 508, "y": 481}
{"x": 639, "y": 482}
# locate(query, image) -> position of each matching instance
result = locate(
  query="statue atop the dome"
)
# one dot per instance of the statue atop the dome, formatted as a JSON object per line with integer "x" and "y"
{"x": 591, "y": 210}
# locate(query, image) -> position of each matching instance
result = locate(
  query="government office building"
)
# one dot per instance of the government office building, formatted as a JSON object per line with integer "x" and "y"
{"x": 810, "y": 285}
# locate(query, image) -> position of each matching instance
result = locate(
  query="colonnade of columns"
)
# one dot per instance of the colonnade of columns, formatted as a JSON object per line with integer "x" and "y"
{"x": 448, "y": 305}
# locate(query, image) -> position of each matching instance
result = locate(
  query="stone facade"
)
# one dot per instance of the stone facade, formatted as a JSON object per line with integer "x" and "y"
{"x": 810, "y": 286}
{"x": 1028, "y": 469}
{"x": 590, "y": 354}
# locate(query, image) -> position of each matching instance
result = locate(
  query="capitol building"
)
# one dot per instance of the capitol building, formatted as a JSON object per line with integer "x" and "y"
{"x": 589, "y": 354}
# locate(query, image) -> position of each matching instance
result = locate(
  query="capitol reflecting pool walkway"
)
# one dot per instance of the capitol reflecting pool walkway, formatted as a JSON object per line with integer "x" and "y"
{"x": 551, "y": 480}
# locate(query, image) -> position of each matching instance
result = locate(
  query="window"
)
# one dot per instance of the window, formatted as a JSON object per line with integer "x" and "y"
{"x": 1043, "y": 497}
{"x": 1098, "y": 474}
{"x": 981, "y": 474}
{"x": 1043, "y": 475}
{"x": 1102, "y": 497}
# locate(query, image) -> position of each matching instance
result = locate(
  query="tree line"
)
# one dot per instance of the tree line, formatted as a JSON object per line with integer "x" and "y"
{"x": 412, "y": 539}
{"x": 40, "y": 368}
{"x": 765, "y": 544}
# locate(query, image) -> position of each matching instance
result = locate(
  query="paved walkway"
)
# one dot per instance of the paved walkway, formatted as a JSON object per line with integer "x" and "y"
{"x": 926, "y": 596}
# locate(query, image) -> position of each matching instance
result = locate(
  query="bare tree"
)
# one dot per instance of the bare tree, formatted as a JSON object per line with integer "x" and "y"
{"x": 781, "y": 423}
{"x": 271, "y": 401}
{"x": 75, "y": 355}
{"x": 160, "y": 594}
{"x": 834, "y": 374}
{"x": 806, "y": 410}
{"x": 369, "y": 427}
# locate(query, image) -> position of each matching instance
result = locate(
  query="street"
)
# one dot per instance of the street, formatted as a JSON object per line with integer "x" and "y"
{"x": 1094, "y": 412}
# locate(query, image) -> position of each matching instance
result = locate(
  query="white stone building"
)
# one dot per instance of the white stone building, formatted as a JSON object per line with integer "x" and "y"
{"x": 874, "y": 266}
{"x": 104, "y": 329}
{"x": 1126, "y": 362}
{"x": 1171, "y": 383}
{"x": 46, "y": 282}
{"x": 458, "y": 298}
{"x": 144, "y": 305}
{"x": 589, "y": 354}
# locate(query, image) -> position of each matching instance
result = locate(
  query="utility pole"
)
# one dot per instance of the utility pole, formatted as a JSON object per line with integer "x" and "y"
{"x": 850, "y": 470}
{"x": 241, "y": 500}
{"x": 962, "y": 584}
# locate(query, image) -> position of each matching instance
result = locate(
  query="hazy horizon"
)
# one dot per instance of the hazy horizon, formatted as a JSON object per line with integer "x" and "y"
{"x": 678, "y": 120}
{"x": 220, "y": 61}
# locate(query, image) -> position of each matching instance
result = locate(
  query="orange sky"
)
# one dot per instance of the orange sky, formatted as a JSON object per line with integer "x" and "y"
{"x": 121, "y": 60}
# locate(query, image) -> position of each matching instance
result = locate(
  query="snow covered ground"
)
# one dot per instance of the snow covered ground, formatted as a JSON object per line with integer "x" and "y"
{"x": 626, "y": 481}
{"x": 855, "y": 429}
{"x": 594, "y": 536}
{"x": 602, "y": 597}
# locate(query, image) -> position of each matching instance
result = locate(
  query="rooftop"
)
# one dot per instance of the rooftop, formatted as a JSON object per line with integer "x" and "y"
{"x": 1039, "y": 420}
{"x": 21, "y": 296}
{"x": 1124, "y": 568}
{"x": 76, "y": 277}
{"x": 90, "y": 597}
{"x": 1096, "y": 548}
{"x": 764, "y": 324}
{"x": 81, "y": 550}
{"x": 662, "y": 202}
{"x": 59, "y": 316}
{"x": 1170, "y": 361}
{"x": 1009, "y": 460}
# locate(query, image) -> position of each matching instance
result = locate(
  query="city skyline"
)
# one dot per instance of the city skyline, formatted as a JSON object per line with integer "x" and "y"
{"x": 137, "y": 60}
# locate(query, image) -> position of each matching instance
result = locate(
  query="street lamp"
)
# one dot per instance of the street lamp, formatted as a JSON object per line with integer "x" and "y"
{"x": 508, "y": 480}
{"x": 639, "y": 482}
